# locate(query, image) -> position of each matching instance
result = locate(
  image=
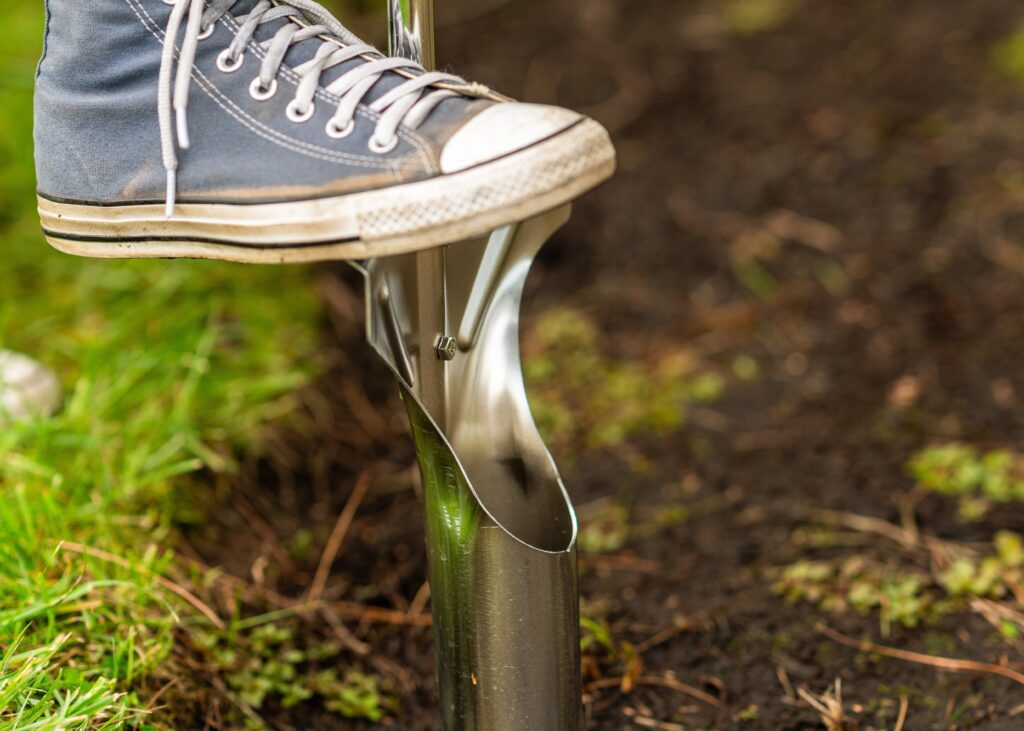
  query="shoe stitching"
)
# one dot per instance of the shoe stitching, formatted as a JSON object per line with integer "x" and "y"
{"x": 225, "y": 103}
{"x": 404, "y": 132}
{"x": 269, "y": 133}
{"x": 258, "y": 127}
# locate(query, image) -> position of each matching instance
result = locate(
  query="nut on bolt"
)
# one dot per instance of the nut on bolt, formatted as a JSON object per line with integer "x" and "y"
{"x": 446, "y": 348}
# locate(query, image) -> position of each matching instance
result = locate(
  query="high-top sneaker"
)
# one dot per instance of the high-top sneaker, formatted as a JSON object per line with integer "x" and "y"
{"x": 261, "y": 131}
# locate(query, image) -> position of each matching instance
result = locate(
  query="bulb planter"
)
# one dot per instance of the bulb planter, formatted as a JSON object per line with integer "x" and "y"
{"x": 500, "y": 528}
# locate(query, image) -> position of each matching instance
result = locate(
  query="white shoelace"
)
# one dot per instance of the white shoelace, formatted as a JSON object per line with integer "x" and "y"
{"x": 407, "y": 104}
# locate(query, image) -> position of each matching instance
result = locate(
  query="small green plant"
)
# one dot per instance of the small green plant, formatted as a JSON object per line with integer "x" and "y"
{"x": 1008, "y": 55}
{"x": 978, "y": 479}
{"x": 750, "y": 714}
{"x": 355, "y": 694}
{"x": 907, "y": 596}
{"x": 993, "y": 576}
{"x": 606, "y": 531}
{"x": 585, "y": 400}
{"x": 753, "y": 17}
{"x": 606, "y": 526}
{"x": 602, "y": 650}
{"x": 269, "y": 662}
{"x": 899, "y": 596}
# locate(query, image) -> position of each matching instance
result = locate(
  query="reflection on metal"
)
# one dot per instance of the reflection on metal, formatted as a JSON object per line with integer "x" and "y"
{"x": 483, "y": 286}
{"x": 501, "y": 531}
{"x": 411, "y": 30}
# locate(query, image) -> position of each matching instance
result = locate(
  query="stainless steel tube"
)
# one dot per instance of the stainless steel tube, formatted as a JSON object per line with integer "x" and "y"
{"x": 501, "y": 531}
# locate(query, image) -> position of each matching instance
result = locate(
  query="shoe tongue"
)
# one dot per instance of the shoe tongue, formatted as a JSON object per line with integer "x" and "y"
{"x": 304, "y": 51}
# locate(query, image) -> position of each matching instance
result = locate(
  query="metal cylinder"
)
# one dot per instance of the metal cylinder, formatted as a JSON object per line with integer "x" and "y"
{"x": 500, "y": 528}
{"x": 506, "y": 624}
{"x": 501, "y": 531}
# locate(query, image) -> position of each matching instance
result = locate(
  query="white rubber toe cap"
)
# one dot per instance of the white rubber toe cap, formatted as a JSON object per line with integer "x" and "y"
{"x": 501, "y": 130}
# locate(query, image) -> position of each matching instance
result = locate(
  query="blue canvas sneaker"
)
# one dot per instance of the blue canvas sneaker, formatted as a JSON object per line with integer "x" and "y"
{"x": 264, "y": 131}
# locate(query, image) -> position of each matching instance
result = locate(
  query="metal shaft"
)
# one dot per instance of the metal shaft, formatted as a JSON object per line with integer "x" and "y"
{"x": 501, "y": 531}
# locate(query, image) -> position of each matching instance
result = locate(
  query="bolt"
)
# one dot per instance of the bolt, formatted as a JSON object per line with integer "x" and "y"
{"x": 446, "y": 348}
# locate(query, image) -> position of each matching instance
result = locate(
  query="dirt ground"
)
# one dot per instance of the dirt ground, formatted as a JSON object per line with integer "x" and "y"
{"x": 835, "y": 195}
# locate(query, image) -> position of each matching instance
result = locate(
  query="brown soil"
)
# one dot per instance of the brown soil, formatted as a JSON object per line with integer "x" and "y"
{"x": 899, "y": 323}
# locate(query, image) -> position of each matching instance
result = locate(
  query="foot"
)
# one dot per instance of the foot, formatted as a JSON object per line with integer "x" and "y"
{"x": 253, "y": 131}
{"x": 27, "y": 389}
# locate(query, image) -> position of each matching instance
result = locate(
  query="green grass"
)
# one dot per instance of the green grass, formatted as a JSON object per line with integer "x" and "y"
{"x": 170, "y": 368}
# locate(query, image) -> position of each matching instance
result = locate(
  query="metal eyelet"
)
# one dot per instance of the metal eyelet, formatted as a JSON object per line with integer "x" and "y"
{"x": 383, "y": 148}
{"x": 257, "y": 92}
{"x": 204, "y": 34}
{"x": 228, "y": 65}
{"x": 338, "y": 133}
{"x": 294, "y": 114}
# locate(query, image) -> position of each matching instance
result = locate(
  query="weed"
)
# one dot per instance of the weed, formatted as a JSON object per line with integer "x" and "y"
{"x": 900, "y": 597}
{"x": 907, "y": 596}
{"x": 750, "y": 714}
{"x": 602, "y": 650}
{"x": 1008, "y": 55}
{"x": 585, "y": 400}
{"x": 268, "y": 662}
{"x": 746, "y": 368}
{"x": 754, "y": 17}
{"x": 606, "y": 531}
{"x": 607, "y": 526}
{"x": 978, "y": 479}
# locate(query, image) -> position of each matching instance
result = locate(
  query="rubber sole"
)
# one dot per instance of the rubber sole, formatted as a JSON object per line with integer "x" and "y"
{"x": 394, "y": 220}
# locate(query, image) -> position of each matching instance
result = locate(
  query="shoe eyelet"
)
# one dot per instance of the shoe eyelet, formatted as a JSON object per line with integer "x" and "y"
{"x": 338, "y": 133}
{"x": 257, "y": 92}
{"x": 204, "y": 34}
{"x": 382, "y": 148}
{"x": 228, "y": 65}
{"x": 295, "y": 115}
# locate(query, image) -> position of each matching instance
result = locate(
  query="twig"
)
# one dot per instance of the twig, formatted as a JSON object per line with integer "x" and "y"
{"x": 181, "y": 591}
{"x": 263, "y": 529}
{"x": 895, "y": 533}
{"x": 868, "y": 524}
{"x": 345, "y": 609}
{"x": 379, "y": 615}
{"x": 623, "y": 563}
{"x": 996, "y": 613}
{"x": 241, "y": 705}
{"x": 648, "y": 722}
{"x": 945, "y": 663}
{"x": 828, "y": 705}
{"x": 663, "y": 636}
{"x": 155, "y": 698}
{"x": 419, "y": 602}
{"x": 323, "y": 570}
{"x": 342, "y": 633}
{"x": 902, "y": 717}
{"x": 666, "y": 682}
{"x": 780, "y": 673}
